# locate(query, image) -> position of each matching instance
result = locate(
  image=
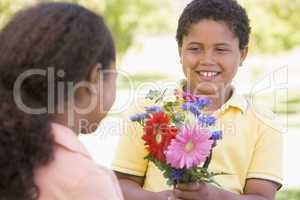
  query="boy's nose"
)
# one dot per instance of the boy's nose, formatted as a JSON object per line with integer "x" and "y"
{"x": 207, "y": 58}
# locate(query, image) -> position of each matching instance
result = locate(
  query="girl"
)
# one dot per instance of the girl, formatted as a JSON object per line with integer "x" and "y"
{"x": 57, "y": 79}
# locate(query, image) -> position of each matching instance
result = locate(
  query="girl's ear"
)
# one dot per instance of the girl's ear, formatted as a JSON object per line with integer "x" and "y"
{"x": 244, "y": 53}
{"x": 94, "y": 73}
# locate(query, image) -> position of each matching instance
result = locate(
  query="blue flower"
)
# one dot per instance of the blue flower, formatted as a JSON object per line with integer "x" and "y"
{"x": 186, "y": 106}
{"x": 154, "y": 109}
{"x": 189, "y": 106}
{"x": 138, "y": 117}
{"x": 200, "y": 103}
{"x": 177, "y": 174}
{"x": 207, "y": 120}
{"x": 216, "y": 135}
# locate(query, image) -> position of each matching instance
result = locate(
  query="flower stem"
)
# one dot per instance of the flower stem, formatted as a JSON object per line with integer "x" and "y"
{"x": 208, "y": 160}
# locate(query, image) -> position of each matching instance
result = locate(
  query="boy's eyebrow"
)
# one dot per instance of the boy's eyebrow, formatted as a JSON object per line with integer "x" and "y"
{"x": 223, "y": 44}
{"x": 196, "y": 43}
{"x": 217, "y": 44}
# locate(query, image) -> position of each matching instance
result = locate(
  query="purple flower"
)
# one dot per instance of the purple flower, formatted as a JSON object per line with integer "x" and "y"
{"x": 186, "y": 106}
{"x": 207, "y": 120}
{"x": 138, "y": 117}
{"x": 200, "y": 103}
{"x": 189, "y": 106}
{"x": 154, "y": 109}
{"x": 177, "y": 174}
{"x": 190, "y": 97}
{"x": 216, "y": 135}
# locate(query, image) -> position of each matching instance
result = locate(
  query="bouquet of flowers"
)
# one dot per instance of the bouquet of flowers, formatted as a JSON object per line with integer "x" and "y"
{"x": 179, "y": 136}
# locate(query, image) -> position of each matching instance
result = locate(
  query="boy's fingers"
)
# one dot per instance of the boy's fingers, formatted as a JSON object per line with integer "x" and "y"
{"x": 188, "y": 187}
{"x": 180, "y": 194}
{"x": 173, "y": 197}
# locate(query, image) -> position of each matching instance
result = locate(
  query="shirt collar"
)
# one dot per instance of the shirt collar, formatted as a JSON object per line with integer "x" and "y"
{"x": 235, "y": 101}
{"x": 66, "y": 138}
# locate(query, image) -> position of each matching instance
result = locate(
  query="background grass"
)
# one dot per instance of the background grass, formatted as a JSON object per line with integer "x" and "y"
{"x": 288, "y": 195}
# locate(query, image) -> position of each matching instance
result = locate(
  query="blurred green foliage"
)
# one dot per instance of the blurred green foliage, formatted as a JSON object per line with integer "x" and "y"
{"x": 126, "y": 18}
{"x": 130, "y": 18}
{"x": 275, "y": 24}
{"x": 288, "y": 195}
{"x": 8, "y": 8}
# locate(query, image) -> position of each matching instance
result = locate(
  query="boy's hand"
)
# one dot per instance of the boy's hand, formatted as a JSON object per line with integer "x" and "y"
{"x": 195, "y": 191}
{"x": 166, "y": 195}
{"x": 255, "y": 189}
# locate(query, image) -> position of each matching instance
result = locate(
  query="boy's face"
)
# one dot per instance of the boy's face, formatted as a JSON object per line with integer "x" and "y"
{"x": 210, "y": 56}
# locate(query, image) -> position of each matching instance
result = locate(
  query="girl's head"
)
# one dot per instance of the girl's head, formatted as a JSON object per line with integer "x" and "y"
{"x": 54, "y": 57}
{"x": 212, "y": 37}
{"x": 76, "y": 53}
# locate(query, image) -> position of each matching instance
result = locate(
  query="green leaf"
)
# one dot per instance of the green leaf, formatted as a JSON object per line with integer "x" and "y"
{"x": 153, "y": 94}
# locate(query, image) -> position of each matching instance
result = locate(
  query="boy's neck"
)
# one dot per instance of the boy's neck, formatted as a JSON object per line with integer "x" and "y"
{"x": 220, "y": 99}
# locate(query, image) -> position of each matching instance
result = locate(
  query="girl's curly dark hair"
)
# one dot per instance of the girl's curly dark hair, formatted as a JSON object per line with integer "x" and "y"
{"x": 25, "y": 144}
{"x": 65, "y": 37}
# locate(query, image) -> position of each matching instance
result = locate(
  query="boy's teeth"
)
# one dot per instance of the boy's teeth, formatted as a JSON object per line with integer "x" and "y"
{"x": 208, "y": 74}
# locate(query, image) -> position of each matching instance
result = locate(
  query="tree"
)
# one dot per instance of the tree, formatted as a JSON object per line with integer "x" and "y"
{"x": 8, "y": 8}
{"x": 275, "y": 24}
{"x": 126, "y": 18}
{"x": 129, "y": 18}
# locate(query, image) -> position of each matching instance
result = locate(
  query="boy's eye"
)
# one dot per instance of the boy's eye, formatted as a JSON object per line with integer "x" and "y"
{"x": 222, "y": 50}
{"x": 194, "y": 49}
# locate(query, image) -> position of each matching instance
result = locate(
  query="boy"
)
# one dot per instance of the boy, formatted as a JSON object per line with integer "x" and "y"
{"x": 212, "y": 39}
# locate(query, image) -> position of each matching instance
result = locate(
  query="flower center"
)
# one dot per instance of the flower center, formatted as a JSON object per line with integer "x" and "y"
{"x": 158, "y": 138}
{"x": 189, "y": 146}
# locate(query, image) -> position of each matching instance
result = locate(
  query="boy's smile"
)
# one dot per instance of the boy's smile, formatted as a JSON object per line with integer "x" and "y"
{"x": 210, "y": 56}
{"x": 208, "y": 75}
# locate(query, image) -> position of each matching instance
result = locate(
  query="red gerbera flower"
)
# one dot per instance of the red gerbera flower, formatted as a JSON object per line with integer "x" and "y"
{"x": 158, "y": 135}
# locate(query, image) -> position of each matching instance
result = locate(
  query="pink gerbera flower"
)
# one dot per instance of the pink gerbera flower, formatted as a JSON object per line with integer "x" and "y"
{"x": 190, "y": 148}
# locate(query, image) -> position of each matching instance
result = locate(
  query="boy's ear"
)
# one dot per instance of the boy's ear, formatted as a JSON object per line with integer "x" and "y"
{"x": 244, "y": 53}
{"x": 179, "y": 53}
{"x": 94, "y": 73}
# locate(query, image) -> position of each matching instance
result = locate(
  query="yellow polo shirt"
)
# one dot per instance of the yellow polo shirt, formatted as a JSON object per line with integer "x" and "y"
{"x": 251, "y": 148}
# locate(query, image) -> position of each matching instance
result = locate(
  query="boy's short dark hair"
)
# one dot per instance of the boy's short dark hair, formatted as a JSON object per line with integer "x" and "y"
{"x": 228, "y": 11}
